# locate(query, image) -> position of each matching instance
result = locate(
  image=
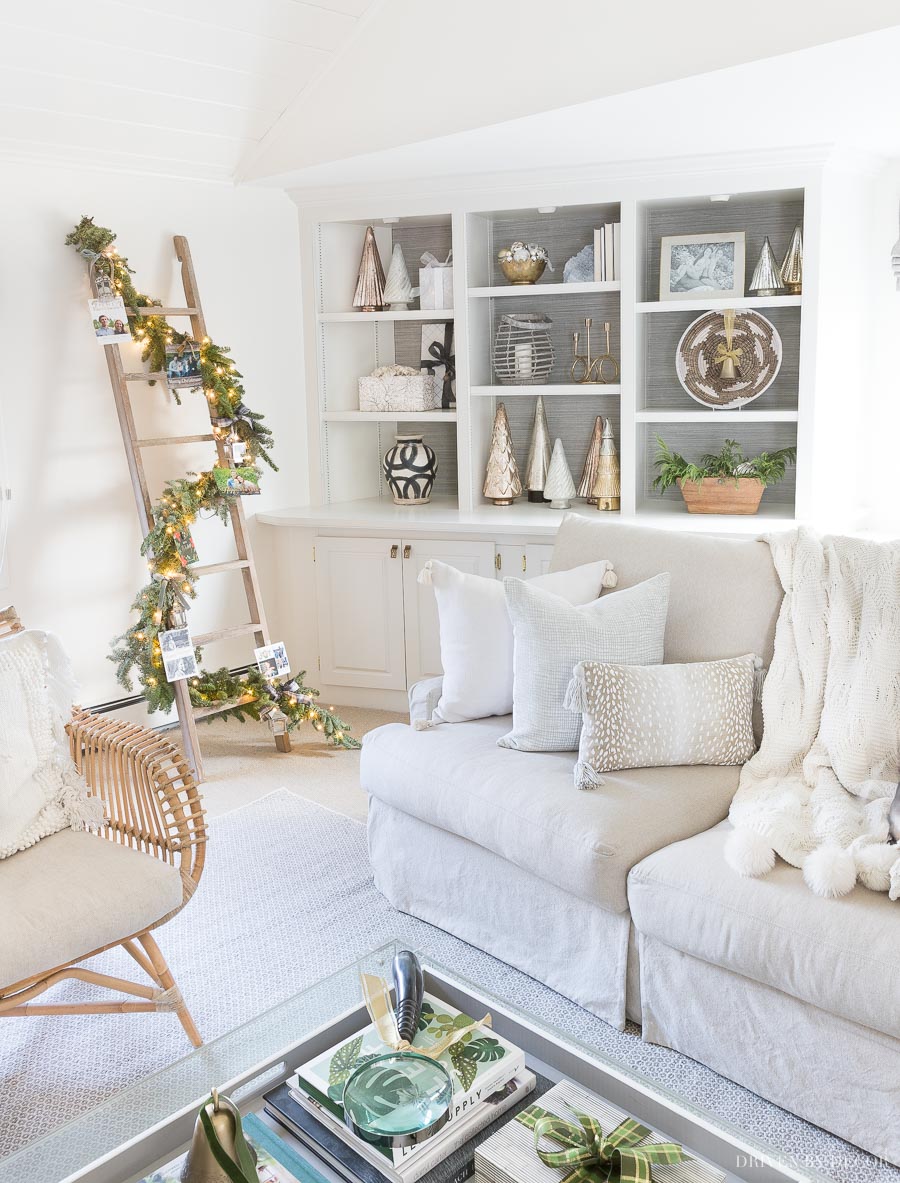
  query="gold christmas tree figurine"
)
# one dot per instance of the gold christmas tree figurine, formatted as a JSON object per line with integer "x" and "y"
{"x": 591, "y": 463}
{"x": 501, "y": 483}
{"x": 369, "y": 294}
{"x": 608, "y": 485}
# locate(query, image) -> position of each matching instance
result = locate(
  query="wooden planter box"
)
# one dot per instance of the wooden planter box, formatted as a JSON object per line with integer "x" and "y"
{"x": 722, "y": 495}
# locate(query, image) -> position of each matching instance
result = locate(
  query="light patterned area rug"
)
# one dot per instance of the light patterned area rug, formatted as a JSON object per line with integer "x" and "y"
{"x": 286, "y": 899}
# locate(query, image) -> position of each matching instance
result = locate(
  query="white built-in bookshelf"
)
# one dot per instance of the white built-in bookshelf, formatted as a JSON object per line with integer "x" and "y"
{"x": 341, "y": 344}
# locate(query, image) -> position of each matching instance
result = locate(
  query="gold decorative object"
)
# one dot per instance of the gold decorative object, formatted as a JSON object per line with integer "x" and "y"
{"x": 369, "y": 294}
{"x": 590, "y": 369}
{"x": 523, "y": 262}
{"x": 792, "y": 266}
{"x": 607, "y": 490}
{"x": 591, "y": 464}
{"x": 501, "y": 483}
{"x": 727, "y": 360}
{"x": 220, "y": 1121}
{"x": 766, "y": 279}
{"x": 538, "y": 454}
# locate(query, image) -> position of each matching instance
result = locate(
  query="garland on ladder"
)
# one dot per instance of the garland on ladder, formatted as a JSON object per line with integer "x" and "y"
{"x": 169, "y": 548}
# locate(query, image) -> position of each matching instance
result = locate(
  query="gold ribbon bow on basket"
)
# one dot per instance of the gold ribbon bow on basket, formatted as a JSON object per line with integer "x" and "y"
{"x": 615, "y": 1158}
{"x": 381, "y": 1011}
{"x": 727, "y": 357}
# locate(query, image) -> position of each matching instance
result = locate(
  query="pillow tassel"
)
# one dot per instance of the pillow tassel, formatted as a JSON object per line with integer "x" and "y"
{"x": 586, "y": 777}
{"x": 610, "y": 579}
{"x": 576, "y": 694}
{"x": 425, "y": 574}
{"x": 423, "y": 724}
{"x": 759, "y": 677}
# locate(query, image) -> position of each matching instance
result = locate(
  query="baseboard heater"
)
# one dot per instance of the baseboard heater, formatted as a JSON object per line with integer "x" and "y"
{"x": 134, "y": 700}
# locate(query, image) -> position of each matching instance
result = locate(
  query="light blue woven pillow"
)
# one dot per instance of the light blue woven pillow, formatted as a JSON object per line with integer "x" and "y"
{"x": 551, "y": 637}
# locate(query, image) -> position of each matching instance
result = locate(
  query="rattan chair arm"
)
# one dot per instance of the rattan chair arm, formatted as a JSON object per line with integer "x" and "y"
{"x": 151, "y": 800}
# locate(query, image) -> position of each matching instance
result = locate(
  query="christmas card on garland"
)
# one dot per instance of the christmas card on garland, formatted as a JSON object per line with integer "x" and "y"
{"x": 109, "y": 320}
{"x": 183, "y": 365}
{"x": 179, "y": 658}
{"x": 236, "y": 482}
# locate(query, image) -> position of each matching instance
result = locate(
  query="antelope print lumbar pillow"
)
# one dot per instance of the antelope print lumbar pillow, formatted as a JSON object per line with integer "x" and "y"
{"x": 652, "y": 716}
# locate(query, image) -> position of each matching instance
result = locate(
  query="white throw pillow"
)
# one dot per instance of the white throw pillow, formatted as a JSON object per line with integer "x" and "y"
{"x": 551, "y": 637}
{"x": 477, "y": 637}
{"x": 40, "y": 789}
{"x": 659, "y": 716}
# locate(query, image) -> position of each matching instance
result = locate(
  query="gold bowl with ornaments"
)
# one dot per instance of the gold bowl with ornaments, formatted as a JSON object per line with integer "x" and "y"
{"x": 523, "y": 262}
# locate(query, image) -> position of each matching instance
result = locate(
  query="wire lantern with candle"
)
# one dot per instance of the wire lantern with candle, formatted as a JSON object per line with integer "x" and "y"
{"x": 523, "y": 351}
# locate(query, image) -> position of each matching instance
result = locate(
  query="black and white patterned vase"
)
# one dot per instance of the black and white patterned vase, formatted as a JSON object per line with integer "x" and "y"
{"x": 410, "y": 468}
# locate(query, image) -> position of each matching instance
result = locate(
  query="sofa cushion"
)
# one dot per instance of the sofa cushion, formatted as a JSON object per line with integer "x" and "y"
{"x": 75, "y": 892}
{"x": 838, "y": 954}
{"x": 724, "y": 596}
{"x": 524, "y": 807}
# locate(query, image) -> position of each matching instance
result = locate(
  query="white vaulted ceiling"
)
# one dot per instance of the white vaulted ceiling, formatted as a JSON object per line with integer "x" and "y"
{"x": 174, "y": 87}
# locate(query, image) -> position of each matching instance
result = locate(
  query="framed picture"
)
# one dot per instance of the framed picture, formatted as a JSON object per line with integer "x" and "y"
{"x": 694, "y": 266}
{"x": 178, "y": 655}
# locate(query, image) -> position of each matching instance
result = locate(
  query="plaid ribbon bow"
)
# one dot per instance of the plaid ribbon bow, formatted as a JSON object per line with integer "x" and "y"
{"x": 594, "y": 1158}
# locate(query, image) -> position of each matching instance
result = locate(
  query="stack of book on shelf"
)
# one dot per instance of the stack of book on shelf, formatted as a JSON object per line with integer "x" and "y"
{"x": 607, "y": 249}
{"x": 489, "y": 1077}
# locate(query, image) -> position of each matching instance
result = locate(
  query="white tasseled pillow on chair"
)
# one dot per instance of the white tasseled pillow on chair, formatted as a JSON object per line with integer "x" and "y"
{"x": 41, "y": 792}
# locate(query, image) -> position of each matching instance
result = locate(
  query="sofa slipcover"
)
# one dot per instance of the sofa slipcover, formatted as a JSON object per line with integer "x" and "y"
{"x": 74, "y": 892}
{"x": 524, "y": 806}
{"x": 839, "y": 955}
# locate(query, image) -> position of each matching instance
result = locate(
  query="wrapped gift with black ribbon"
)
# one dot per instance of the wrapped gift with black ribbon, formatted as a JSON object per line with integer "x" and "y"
{"x": 439, "y": 359}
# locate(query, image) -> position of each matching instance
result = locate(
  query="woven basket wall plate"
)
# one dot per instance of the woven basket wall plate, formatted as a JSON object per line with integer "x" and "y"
{"x": 761, "y": 350}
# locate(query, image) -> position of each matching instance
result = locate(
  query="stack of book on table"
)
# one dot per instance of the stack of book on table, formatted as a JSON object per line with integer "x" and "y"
{"x": 489, "y": 1077}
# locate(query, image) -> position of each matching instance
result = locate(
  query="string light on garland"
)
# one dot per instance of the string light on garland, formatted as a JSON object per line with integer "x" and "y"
{"x": 169, "y": 548}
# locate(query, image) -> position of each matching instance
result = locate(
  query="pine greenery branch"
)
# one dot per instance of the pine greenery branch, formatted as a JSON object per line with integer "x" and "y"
{"x": 169, "y": 547}
{"x": 729, "y": 464}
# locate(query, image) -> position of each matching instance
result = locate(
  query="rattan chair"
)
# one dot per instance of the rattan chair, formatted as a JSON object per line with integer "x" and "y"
{"x": 154, "y": 808}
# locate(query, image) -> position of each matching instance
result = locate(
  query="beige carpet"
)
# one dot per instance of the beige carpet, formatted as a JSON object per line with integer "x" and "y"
{"x": 241, "y": 764}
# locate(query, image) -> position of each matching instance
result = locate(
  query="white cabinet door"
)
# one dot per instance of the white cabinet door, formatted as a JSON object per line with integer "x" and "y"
{"x": 423, "y": 644}
{"x": 511, "y": 562}
{"x": 537, "y": 559}
{"x": 359, "y": 596}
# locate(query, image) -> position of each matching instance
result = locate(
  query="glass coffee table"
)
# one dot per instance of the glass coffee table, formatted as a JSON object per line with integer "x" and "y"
{"x": 149, "y": 1123}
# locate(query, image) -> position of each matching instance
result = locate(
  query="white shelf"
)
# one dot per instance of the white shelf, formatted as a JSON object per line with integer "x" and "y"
{"x": 546, "y": 289}
{"x": 427, "y": 314}
{"x": 567, "y": 390}
{"x": 389, "y": 416}
{"x": 672, "y": 515}
{"x": 713, "y": 416}
{"x": 709, "y": 305}
{"x": 441, "y": 515}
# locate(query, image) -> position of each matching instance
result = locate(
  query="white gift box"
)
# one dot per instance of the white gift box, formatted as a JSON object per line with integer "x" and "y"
{"x": 436, "y": 282}
{"x": 399, "y": 392}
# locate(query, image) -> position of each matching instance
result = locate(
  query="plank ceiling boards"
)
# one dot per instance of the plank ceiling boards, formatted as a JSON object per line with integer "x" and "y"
{"x": 174, "y": 87}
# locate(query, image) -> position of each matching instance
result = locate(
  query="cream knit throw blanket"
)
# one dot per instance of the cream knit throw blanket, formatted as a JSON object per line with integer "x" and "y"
{"x": 818, "y": 790}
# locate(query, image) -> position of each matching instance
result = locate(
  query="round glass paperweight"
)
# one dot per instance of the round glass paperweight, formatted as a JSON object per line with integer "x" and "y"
{"x": 398, "y": 1099}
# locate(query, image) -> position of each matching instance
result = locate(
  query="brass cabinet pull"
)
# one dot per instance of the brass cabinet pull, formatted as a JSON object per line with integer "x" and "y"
{"x": 394, "y": 550}
{"x": 407, "y": 551}
{"x": 524, "y": 563}
{"x": 498, "y": 561}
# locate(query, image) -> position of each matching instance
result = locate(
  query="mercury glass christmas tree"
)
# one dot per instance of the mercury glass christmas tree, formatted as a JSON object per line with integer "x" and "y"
{"x": 397, "y": 288}
{"x": 591, "y": 463}
{"x": 607, "y": 491}
{"x": 501, "y": 483}
{"x": 559, "y": 488}
{"x": 369, "y": 294}
{"x": 538, "y": 454}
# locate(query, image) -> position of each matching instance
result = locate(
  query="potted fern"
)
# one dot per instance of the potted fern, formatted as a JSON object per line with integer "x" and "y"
{"x": 723, "y": 483}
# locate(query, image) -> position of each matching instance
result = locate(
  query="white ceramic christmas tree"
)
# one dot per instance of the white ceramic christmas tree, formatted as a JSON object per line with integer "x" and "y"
{"x": 559, "y": 488}
{"x": 397, "y": 288}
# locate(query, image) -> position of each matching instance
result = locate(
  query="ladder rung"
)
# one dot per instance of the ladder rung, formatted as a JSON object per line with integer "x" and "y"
{"x": 152, "y": 310}
{"x": 158, "y": 441}
{"x": 224, "y": 634}
{"x": 218, "y": 707}
{"x": 145, "y": 376}
{"x": 215, "y": 568}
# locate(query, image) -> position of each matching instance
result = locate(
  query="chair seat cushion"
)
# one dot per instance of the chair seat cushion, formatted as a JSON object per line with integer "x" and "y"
{"x": 524, "y": 807}
{"x": 837, "y": 954}
{"x": 74, "y": 893}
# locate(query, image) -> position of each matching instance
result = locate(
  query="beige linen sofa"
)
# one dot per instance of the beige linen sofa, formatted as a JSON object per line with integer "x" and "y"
{"x": 621, "y": 899}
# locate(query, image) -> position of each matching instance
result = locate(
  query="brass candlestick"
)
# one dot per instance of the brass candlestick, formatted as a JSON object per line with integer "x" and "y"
{"x": 587, "y": 369}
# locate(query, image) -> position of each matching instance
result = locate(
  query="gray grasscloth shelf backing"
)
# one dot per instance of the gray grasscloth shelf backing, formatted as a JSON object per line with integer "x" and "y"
{"x": 569, "y": 419}
{"x": 774, "y": 216}
{"x": 663, "y": 391}
{"x": 563, "y": 234}
{"x": 693, "y": 440}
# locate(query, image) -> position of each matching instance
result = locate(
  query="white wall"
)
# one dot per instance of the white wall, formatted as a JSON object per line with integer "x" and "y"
{"x": 73, "y": 562}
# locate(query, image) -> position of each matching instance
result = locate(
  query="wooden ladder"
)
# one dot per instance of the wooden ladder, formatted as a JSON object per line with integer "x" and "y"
{"x": 134, "y": 445}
